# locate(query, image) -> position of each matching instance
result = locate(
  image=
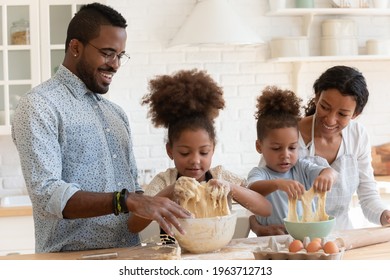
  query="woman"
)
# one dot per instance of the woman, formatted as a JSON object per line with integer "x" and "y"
{"x": 329, "y": 134}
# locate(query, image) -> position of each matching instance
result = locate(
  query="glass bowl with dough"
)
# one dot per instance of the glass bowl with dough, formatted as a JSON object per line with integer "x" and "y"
{"x": 213, "y": 224}
{"x": 300, "y": 230}
{"x": 206, "y": 234}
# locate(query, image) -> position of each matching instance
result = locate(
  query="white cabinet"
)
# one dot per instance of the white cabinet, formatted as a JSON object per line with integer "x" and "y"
{"x": 29, "y": 62}
{"x": 17, "y": 235}
{"x": 18, "y": 58}
{"x": 308, "y": 15}
{"x": 55, "y": 16}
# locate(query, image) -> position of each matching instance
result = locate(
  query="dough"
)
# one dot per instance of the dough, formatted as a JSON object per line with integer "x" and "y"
{"x": 308, "y": 215}
{"x": 202, "y": 200}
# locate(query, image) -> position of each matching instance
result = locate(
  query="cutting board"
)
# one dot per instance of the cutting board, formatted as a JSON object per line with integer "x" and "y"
{"x": 146, "y": 252}
{"x": 381, "y": 159}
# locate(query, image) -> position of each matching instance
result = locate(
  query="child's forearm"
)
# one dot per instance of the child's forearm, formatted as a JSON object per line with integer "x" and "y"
{"x": 264, "y": 187}
{"x": 251, "y": 200}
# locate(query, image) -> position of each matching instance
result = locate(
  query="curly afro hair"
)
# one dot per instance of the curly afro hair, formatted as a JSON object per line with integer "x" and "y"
{"x": 188, "y": 99}
{"x": 276, "y": 108}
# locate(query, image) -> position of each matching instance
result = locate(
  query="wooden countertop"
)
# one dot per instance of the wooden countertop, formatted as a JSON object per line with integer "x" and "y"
{"x": 382, "y": 178}
{"x": 27, "y": 210}
{"x": 15, "y": 211}
{"x": 237, "y": 249}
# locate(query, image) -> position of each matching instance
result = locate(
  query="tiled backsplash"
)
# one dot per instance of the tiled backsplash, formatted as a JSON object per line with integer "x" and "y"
{"x": 11, "y": 177}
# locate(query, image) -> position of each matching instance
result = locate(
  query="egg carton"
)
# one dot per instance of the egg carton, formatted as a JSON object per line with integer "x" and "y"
{"x": 275, "y": 250}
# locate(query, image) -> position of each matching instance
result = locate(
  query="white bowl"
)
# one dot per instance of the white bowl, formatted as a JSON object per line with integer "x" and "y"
{"x": 289, "y": 46}
{"x": 378, "y": 47}
{"x": 206, "y": 234}
{"x": 338, "y": 46}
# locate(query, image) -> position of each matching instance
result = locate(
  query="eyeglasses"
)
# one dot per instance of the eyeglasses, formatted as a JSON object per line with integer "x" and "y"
{"x": 110, "y": 56}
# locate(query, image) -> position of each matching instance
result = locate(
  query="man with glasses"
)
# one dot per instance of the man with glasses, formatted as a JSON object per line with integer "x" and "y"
{"x": 75, "y": 146}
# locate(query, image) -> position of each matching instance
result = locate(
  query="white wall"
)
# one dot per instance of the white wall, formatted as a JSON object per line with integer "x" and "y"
{"x": 242, "y": 71}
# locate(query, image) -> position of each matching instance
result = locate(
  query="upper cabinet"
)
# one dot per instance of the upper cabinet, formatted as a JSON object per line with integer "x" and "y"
{"x": 19, "y": 54}
{"x": 54, "y": 20}
{"x": 308, "y": 14}
{"x": 32, "y": 43}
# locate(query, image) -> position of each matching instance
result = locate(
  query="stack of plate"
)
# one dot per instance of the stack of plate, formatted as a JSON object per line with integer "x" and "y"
{"x": 296, "y": 46}
{"x": 339, "y": 37}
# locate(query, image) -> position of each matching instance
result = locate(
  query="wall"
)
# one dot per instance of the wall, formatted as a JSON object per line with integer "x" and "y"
{"x": 242, "y": 71}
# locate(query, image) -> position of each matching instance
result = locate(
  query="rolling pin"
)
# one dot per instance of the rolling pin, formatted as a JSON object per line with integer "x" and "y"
{"x": 356, "y": 238}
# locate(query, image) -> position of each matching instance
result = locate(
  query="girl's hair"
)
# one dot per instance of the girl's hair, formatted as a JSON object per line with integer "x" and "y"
{"x": 188, "y": 99}
{"x": 348, "y": 81}
{"x": 85, "y": 25}
{"x": 276, "y": 108}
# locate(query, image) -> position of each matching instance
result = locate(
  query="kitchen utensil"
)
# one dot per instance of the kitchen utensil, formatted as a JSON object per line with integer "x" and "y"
{"x": 356, "y": 238}
{"x": 300, "y": 230}
{"x": 206, "y": 234}
{"x": 345, "y": 3}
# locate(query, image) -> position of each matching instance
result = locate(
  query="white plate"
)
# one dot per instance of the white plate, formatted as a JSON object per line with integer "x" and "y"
{"x": 352, "y": 3}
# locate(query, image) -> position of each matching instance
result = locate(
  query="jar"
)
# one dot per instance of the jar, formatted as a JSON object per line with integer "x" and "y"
{"x": 304, "y": 3}
{"x": 20, "y": 32}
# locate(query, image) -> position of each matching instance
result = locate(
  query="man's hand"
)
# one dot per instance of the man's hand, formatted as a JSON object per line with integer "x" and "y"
{"x": 161, "y": 209}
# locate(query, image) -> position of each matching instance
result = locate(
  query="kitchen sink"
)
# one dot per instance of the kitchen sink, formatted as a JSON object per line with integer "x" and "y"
{"x": 15, "y": 201}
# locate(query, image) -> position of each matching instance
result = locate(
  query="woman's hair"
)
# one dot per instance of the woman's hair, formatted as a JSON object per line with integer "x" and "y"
{"x": 85, "y": 25}
{"x": 348, "y": 81}
{"x": 276, "y": 108}
{"x": 188, "y": 99}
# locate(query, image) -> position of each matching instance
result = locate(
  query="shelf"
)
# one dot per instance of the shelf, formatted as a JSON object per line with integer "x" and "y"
{"x": 330, "y": 58}
{"x": 330, "y": 11}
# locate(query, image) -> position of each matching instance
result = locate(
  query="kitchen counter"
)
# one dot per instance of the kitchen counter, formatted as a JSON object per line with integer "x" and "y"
{"x": 237, "y": 249}
{"x": 15, "y": 211}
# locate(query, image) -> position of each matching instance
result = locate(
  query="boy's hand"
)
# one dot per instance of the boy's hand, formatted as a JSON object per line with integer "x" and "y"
{"x": 324, "y": 181}
{"x": 294, "y": 189}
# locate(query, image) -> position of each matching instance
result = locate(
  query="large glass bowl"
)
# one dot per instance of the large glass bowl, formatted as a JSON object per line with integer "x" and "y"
{"x": 206, "y": 234}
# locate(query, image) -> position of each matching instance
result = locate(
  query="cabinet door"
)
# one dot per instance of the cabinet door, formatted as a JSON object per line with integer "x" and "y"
{"x": 55, "y": 17}
{"x": 19, "y": 55}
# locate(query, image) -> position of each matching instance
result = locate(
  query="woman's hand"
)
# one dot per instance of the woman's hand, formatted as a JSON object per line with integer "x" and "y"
{"x": 385, "y": 218}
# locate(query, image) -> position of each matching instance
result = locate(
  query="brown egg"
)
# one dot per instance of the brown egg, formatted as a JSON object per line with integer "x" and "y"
{"x": 317, "y": 239}
{"x": 313, "y": 247}
{"x": 331, "y": 248}
{"x": 295, "y": 246}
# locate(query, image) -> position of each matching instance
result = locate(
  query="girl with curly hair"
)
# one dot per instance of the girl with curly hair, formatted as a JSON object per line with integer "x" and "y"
{"x": 186, "y": 104}
{"x": 282, "y": 174}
